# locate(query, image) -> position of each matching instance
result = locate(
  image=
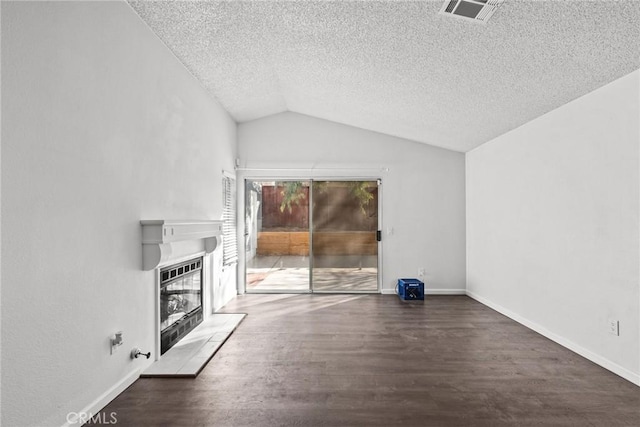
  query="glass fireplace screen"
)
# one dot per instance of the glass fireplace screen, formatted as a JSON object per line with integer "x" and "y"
{"x": 180, "y": 300}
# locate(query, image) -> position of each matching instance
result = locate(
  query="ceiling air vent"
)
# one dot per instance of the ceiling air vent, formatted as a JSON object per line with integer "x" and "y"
{"x": 475, "y": 10}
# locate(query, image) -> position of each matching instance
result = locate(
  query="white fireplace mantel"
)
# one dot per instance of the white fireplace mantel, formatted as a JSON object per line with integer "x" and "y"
{"x": 161, "y": 237}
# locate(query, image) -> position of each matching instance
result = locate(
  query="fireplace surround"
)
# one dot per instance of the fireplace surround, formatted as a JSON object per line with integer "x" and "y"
{"x": 178, "y": 251}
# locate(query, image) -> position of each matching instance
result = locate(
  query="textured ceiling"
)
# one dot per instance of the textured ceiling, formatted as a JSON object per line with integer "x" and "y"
{"x": 400, "y": 67}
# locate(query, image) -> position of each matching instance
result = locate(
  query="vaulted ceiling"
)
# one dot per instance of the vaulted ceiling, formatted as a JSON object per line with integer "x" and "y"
{"x": 400, "y": 67}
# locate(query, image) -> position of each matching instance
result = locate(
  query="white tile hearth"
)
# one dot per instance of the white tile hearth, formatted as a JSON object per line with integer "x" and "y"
{"x": 191, "y": 354}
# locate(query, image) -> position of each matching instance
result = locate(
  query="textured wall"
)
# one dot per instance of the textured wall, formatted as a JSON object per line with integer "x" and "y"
{"x": 422, "y": 192}
{"x": 102, "y": 127}
{"x": 552, "y": 224}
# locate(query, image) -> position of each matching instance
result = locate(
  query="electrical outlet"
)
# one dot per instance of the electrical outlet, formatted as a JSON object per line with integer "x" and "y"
{"x": 421, "y": 272}
{"x": 116, "y": 341}
{"x": 614, "y": 327}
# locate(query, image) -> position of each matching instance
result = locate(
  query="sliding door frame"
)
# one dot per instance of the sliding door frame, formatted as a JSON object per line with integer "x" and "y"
{"x": 311, "y": 180}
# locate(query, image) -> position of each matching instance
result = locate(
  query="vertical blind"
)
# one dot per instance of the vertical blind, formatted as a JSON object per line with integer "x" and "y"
{"x": 229, "y": 240}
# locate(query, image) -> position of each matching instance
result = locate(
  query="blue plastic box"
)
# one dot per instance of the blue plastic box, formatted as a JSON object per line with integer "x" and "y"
{"x": 410, "y": 289}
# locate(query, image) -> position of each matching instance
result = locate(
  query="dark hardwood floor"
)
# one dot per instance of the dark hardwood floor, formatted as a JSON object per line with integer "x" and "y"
{"x": 372, "y": 360}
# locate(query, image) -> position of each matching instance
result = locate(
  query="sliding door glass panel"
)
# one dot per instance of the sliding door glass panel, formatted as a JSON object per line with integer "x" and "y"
{"x": 277, "y": 236}
{"x": 344, "y": 231}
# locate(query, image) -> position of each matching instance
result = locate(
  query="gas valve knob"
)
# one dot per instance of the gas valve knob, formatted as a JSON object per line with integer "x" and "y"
{"x": 136, "y": 352}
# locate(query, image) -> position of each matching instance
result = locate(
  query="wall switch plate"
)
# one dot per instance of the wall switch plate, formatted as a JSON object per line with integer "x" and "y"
{"x": 614, "y": 327}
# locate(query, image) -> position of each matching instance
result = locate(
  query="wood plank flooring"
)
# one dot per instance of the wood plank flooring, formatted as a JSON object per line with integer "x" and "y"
{"x": 373, "y": 360}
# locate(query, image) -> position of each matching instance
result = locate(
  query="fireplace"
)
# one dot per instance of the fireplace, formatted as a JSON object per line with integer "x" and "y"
{"x": 180, "y": 301}
{"x": 166, "y": 245}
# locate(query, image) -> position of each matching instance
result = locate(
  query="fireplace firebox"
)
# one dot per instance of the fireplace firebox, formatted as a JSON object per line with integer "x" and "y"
{"x": 180, "y": 301}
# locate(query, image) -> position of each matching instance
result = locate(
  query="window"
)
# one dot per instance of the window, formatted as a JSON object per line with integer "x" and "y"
{"x": 229, "y": 240}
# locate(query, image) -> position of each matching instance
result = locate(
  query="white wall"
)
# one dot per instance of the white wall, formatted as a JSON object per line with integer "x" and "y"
{"x": 422, "y": 192}
{"x": 0, "y": 220}
{"x": 552, "y": 225}
{"x": 102, "y": 127}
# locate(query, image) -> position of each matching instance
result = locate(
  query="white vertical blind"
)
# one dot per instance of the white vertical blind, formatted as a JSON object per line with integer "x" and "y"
{"x": 229, "y": 240}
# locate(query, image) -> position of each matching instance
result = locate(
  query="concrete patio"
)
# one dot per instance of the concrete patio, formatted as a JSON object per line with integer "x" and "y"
{"x": 330, "y": 274}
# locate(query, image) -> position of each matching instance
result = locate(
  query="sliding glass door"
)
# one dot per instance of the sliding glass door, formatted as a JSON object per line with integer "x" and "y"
{"x": 277, "y": 236}
{"x": 344, "y": 236}
{"x": 311, "y": 236}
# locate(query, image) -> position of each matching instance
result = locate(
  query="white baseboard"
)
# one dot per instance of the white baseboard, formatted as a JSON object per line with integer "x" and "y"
{"x": 97, "y": 405}
{"x": 445, "y": 292}
{"x": 431, "y": 292}
{"x": 599, "y": 360}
